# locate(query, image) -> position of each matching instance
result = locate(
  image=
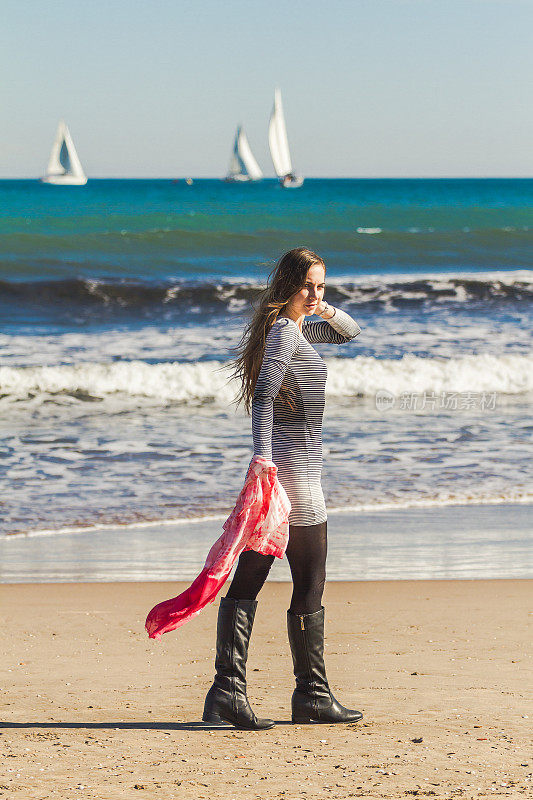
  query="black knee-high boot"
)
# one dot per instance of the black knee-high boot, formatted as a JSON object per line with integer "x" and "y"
{"x": 226, "y": 700}
{"x": 312, "y": 700}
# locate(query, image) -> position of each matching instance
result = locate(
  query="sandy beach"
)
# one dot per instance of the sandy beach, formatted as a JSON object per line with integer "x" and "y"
{"x": 94, "y": 709}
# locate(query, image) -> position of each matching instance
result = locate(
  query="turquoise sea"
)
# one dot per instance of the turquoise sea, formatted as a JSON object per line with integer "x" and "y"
{"x": 120, "y": 302}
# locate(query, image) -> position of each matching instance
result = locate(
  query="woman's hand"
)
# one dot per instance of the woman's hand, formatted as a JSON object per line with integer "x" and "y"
{"x": 324, "y": 310}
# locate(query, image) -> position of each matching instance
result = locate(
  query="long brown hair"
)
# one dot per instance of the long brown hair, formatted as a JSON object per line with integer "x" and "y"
{"x": 286, "y": 278}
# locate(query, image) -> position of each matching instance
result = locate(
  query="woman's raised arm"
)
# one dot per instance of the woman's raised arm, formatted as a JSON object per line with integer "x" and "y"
{"x": 338, "y": 329}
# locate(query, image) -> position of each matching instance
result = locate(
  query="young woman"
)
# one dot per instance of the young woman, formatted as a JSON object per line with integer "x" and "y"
{"x": 283, "y": 381}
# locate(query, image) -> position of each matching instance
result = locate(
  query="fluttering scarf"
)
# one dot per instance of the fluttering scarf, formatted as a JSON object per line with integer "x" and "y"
{"x": 259, "y": 521}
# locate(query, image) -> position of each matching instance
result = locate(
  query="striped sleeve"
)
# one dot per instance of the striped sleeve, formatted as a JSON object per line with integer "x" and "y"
{"x": 281, "y": 344}
{"x": 337, "y": 330}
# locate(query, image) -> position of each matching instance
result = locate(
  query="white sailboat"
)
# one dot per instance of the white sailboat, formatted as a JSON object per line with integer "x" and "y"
{"x": 64, "y": 167}
{"x": 243, "y": 166}
{"x": 279, "y": 146}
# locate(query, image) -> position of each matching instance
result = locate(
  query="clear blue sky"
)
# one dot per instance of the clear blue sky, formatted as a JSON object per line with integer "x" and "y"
{"x": 370, "y": 87}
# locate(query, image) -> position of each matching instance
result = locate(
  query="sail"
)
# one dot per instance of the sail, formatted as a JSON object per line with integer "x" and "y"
{"x": 277, "y": 139}
{"x": 243, "y": 163}
{"x": 64, "y": 162}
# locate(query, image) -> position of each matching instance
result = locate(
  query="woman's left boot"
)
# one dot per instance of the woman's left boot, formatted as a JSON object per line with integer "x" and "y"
{"x": 312, "y": 700}
{"x": 226, "y": 700}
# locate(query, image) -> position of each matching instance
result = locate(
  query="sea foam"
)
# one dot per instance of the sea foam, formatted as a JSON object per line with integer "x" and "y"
{"x": 210, "y": 381}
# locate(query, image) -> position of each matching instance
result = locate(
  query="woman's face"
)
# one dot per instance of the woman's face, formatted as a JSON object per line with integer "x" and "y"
{"x": 306, "y": 300}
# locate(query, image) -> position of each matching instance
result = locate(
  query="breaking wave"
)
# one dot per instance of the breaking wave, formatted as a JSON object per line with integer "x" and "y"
{"x": 210, "y": 381}
{"x": 234, "y": 295}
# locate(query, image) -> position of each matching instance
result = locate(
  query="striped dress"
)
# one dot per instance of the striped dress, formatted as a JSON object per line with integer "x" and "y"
{"x": 292, "y": 438}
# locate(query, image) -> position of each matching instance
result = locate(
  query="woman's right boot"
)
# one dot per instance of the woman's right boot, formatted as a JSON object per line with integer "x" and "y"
{"x": 226, "y": 700}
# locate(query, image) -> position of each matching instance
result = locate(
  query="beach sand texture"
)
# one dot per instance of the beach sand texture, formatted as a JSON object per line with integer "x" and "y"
{"x": 93, "y": 709}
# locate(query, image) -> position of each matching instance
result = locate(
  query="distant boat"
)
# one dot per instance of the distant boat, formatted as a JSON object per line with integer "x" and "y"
{"x": 279, "y": 146}
{"x": 64, "y": 167}
{"x": 243, "y": 166}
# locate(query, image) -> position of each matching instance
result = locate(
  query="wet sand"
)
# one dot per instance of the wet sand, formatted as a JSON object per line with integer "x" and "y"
{"x": 435, "y": 542}
{"x": 440, "y": 669}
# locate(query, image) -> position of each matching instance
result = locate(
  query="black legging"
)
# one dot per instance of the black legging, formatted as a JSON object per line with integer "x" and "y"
{"x": 306, "y": 554}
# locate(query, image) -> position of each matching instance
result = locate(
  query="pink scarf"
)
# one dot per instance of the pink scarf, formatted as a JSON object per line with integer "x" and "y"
{"x": 259, "y": 521}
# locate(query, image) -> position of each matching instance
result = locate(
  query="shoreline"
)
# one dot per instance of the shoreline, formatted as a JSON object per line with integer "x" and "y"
{"x": 478, "y": 542}
{"x": 198, "y": 520}
{"x": 94, "y": 708}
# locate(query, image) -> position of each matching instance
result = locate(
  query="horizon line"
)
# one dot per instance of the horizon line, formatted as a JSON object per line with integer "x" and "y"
{"x": 274, "y": 178}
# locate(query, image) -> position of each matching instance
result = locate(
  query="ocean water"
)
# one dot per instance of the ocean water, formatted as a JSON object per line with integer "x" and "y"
{"x": 120, "y": 303}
